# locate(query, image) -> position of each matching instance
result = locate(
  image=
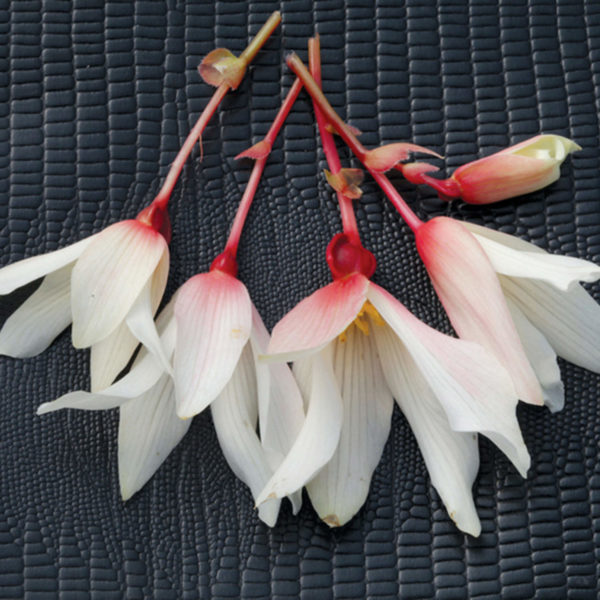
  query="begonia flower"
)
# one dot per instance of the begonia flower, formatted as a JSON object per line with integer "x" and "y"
{"x": 149, "y": 426}
{"x": 520, "y": 302}
{"x": 111, "y": 284}
{"x": 520, "y": 169}
{"x": 105, "y": 283}
{"x": 554, "y": 315}
{"x": 356, "y": 348}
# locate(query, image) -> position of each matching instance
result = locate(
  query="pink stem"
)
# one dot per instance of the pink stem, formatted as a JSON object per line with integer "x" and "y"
{"x": 297, "y": 66}
{"x": 329, "y": 148}
{"x": 233, "y": 240}
{"x": 162, "y": 198}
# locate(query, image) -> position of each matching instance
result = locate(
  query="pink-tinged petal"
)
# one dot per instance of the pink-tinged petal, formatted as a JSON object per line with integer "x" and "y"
{"x": 109, "y": 276}
{"x": 214, "y": 319}
{"x": 318, "y": 319}
{"x": 29, "y": 269}
{"x": 110, "y": 356}
{"x": 474, "y": 390}
{"x": 569, "y": 320}
{"x": 140, "y": 318}
{"x": 384, "y": 158}
{"x": 234, "y": 414}
{"x": 542, "y": 358}
{"x": 452, "y": 458}
{"x": 149, "y": 429}
{"x": 341, "y": 487}
{"x": 35, "y": 324}
{"x": 468, "y": 287}
{"x": 318, "y": 437}
{"x": 280, "y": 409}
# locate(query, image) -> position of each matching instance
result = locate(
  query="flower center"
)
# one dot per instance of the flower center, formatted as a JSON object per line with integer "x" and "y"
{"x": 362, "y": 321}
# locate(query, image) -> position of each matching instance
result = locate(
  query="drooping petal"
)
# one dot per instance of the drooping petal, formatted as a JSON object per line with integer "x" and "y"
{"x": 234, "y": 414}
{"x": 452, "y": 458}
{"x": 110, "y": 356}
{"x": 468, "y": 287}
{"x": 35, "y": 324}
{"x": 144, "y": 374}
{"x": 109, "y": 276}
{"x": 569, "y": 320}
{"x": 29, "y": 269}
{"x": 280, "y": 408}
{"x": 560, "y": 271}
{"x": 341, "y": 487}
{"x": 474, "y": 390}
{"x": 542, "y": 358}
{"x": 148, "y": 430}
{"x": 318, "y": 437}
{"x": 214, "y": 318}
{"x": 318, "y": 319}
{"x": 140, "y": 318}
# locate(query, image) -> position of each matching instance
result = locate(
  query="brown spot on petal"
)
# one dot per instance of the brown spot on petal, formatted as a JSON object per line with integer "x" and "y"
{"x": 331, "y": 520}
{"x": 236, "y": 333}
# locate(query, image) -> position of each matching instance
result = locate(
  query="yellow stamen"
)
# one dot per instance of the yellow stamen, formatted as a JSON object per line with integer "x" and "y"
{"x": 361, "y": 321}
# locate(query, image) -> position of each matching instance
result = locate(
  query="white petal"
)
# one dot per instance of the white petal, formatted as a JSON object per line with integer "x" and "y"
{"x": 144, "y": 374}
{"x": 280, "y": 407}
{"x": 140, "y": 318}
{"x": 110, "y": 356}
{"x": 318, "y": 437}
{"x": 109, "y": 276}
{"x": 302, "y": 370}
{"x": 468, "y": 287}
{"x": 474, "y": 390}
{"x": 452, "y": 458}
{"x": 234, "y": 414}
{"x": 35, "y": 324}
{"x": 148, "y": 430}
{"x": 542, "y": 358}
{"x": 214, "y": 319}
{"x": 29, "y": 269}
{"x": 560, "y": 271}
{"x": 341, "y": 487}
{"x": 570, "y": 320}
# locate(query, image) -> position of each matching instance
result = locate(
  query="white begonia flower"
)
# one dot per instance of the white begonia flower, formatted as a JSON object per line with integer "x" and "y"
{"x": 108, "y": 285}
{"x": 356, "y": 349}
{"x": 214, "y": 334}
{"x": 554, "y": 315}
{"x": 519, "y": 302}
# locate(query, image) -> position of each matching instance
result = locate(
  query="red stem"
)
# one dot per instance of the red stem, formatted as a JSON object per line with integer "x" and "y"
{"x": 297, "y": 66}
{"x": 329, "y": 148}
{"x": 237, "y": 226}
{"x": 162, "y": 198}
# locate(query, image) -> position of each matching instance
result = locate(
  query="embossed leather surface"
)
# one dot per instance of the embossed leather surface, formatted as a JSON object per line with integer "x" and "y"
{"x": 95, "y": 99}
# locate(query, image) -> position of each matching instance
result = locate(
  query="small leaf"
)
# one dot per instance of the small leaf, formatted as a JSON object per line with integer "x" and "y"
{"x": 386, "y": 157}
{"x": 221, "y": 66}
{"x": 258, "y": 151}
{"x": 346, "y": 182}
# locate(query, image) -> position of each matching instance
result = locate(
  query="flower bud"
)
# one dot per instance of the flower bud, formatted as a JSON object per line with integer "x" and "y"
{"x": 521, "y": 169}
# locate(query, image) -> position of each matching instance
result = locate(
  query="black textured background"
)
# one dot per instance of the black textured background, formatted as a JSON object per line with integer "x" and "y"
{"x": 95, "y": 99}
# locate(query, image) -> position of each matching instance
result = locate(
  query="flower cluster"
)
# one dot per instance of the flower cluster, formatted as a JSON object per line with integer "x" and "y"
{"x": 355, "y": 348}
